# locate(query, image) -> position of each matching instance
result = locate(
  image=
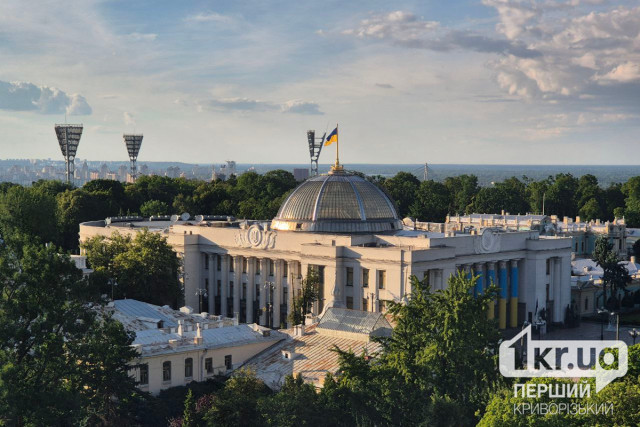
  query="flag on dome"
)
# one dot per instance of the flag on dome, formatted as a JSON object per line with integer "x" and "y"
{"x": 333, "y": 137}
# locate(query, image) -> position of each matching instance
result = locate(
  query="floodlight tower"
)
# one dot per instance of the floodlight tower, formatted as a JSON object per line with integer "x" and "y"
{"x": 69, "y": 138}
{"x": 133, "y": 142}
{"x": 315, "y": 147}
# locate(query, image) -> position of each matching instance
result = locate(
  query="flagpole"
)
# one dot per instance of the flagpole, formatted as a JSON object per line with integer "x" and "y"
{"x": 337, "y": 146}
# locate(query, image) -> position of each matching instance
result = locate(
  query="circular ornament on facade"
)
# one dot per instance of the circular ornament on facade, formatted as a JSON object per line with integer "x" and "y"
{"x": 254, "y": 235}
{"x": 488, "y": 242}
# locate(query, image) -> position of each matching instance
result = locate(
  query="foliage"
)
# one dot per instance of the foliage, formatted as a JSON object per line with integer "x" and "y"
{"x": 145, "y": 268}
{"x": 61, "y": 363}
{"x": 29, "y": 211}
{"x": 615, "y": 275}
{"x": 154, "y": 207}
{"x": 308, "y": 294}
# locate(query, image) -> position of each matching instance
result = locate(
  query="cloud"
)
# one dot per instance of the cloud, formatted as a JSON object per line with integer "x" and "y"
{"x": 300, "y": 107}
{"x": 129, "y": 119}
{"x": 624, "y": 73}
{"x": 145, "y": 37}
{"x": 384, "y": 85}
{"x": 208, "y": 17}
{"x": 24, "y": 96}
{"x": 295, "y": 106}
{"x": 407, "y": 30}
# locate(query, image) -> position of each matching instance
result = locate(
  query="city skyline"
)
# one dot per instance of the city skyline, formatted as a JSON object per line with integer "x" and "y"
{"x": 483, "y": 82}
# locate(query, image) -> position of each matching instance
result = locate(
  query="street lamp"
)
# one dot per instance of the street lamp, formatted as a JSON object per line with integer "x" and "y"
{"x": 201, "y": 293}
{"x": 113, "y": 283}
{"x": 617, "y": 324}
{"x": 634, "y": 334}
{"x": 602, "y": 312}
{"x": 524, "y": 325}
{"x": 268, "y": 288}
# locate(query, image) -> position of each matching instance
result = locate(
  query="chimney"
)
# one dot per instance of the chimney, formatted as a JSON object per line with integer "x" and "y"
{"x": 577, "y": 219}
{"x": 298, "y": 330}
{"x": 173, "y": 343}
{"x": 180, "y": 327}
{"x": 632, "y": 259}
{"x": 198, "y": 339}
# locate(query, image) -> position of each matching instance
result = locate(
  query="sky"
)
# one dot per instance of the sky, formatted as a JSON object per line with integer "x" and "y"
{"x": 461, "y": 81}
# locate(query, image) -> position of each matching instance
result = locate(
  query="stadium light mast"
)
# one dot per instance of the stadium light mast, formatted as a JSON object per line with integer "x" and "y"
{"x": 315, "y": 147}
{"x": 69, "y": 139}
{"x": 133, "y": 142}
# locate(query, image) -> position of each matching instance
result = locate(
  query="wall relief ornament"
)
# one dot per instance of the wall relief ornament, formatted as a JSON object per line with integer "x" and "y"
{"x": 487, "y": 242}
{"x": 256, "y": 237}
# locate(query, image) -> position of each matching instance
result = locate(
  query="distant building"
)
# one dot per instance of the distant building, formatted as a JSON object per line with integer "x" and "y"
{"x": 177, "y": 347}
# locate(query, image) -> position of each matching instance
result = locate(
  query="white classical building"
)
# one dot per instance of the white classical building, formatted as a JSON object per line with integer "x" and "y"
{"x": 348, "y": 230}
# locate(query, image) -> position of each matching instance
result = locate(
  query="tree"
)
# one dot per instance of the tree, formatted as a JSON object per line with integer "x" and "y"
{"x": 615, "y": 274}
{"x": 296, "y": 404}
{"x": 591, "y": 210}
{"x": 189, "y": 415}
{"x": 154, "y": 207}
{"x": 561, "y": 196}
{"x": 308, "y": 294}
{"x": 463, "y": 188}
{"x": 237, "y": 403}
{"x": 29, "y": 211}
{"x": 145, "y": 268}
{"x": 432, "y": 202}
{"x": 402, "y": 188}
{"x": 61, "y": 363}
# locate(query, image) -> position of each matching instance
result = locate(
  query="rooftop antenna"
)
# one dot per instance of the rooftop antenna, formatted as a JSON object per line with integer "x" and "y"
{"x": 133, "y": 142}
{"x": 69, "y": 139}
{"x": 315, "y": 147}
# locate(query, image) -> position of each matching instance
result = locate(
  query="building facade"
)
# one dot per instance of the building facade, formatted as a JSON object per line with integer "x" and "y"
{"x": 348, "y": 231}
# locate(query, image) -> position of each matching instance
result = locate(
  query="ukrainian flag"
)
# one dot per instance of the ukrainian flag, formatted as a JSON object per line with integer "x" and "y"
{"x": 333, "y": 137}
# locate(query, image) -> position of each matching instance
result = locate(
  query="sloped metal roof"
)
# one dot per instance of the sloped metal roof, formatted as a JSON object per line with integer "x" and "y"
{"x": 354, "y": 321}
{"x": 135, "y": 309}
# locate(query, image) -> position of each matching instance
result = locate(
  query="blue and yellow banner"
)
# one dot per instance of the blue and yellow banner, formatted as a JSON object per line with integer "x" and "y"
{"x": 333, "y": 137}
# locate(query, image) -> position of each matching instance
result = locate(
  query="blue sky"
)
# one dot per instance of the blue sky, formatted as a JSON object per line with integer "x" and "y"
{"x": 484, "y": 81}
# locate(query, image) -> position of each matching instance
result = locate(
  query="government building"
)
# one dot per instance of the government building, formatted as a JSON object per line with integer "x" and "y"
{"x": 347, "y": 229}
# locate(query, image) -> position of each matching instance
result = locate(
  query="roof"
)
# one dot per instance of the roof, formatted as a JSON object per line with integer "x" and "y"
{"x": 354, "y": 322}
{"x": 312, "y": 357}
{"x": 337, "y": 202}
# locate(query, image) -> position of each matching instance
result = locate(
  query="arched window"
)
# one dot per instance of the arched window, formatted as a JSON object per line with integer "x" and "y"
{"x": 188, "y": 367}
{"x": 166, "y": 371}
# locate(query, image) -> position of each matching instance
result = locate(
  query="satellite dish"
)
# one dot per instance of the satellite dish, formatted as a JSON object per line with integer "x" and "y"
{"x": 185, "y": 216}
{"x": 199, "y": 218}
{"x": 174, "y": 218}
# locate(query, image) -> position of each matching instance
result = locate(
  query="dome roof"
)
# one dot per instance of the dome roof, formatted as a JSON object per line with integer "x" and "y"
{"x": 337, "y": 203}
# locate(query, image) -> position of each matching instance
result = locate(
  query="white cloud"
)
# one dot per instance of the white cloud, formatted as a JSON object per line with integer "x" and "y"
{"x": 24, "y": 96}
{"x": 623, "y": 73}
{"x": 514, "y": 15}
{"x": 208, "y": 17}
{"x": 295, "y": 106}
{"x": 300, "y": 107}
{"x": 145, "y": 37}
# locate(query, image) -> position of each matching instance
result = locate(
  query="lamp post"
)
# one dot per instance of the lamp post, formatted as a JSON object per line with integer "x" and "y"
{"x": 113, "y": 283}
{"x": 634, "y": 334}
{"x": 268, "y": 287}
{"x": 201, "y": 293}
{"x": 524, "y": 325}
{"x": 617, "y": 324}
{"x": 602, "y": 312}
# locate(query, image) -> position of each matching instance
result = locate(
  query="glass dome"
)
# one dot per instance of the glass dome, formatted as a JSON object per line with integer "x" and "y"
{"x": 337, "y": 203}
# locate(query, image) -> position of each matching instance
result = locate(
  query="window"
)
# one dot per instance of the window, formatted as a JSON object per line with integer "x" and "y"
{"x": 206, "y": 283}
{"x": 548, "y": 265}
{"x": 244, "y": 291}
{"x": 188, "y": 367}
{"x": 208, "y": 365}
{"x": 218, "y": 262}
{"x": 365, "y": 277}
{"x": 285, "y": 269}
{"x": 231, "y": 262}
{"x": 166, "y": 372}
{"x": 228, "y": 363}
{"x": 365, "y": 305}
{"x": 258, "y": 264}
{"x": 206, "y": 261}
{"x": 382, "y": 306}
{"x": 349, "y": 276}
{"x": 219, "y": 286}
{"x": 382, "y": 278}
{"x": 586, "y": 303}
{"x": 272, "y": 267}
{"x": 231, "y": 288}
{"x": 244, "y": 265}
{"x": 350, "y": 303}
{"x": 144, "y": 374}
{"x": 257, "y": 294}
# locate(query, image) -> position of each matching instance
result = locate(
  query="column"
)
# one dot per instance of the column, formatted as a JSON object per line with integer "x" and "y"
{"x": 251, "y": 287}
{"x": 558, "y": 309}
{"x": 502, "y": 302}
{"x": 277, "y": 293}
{"x": 469, "y": 274}
{"x": 212, "y": 282}
{"x": 565, "y": 284}
{"x": 291, "y": 282}
{"x": 263, "y": 291}
{"x": 491, "y": 280}
{"x": 357, "y": 287}
{"x": 514, "y": 294}
{"x": 440, "y": 279}
{"x": 237, "y": 284}
{"x": 224, "y": 285}
{"x": 480, "y": 282}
